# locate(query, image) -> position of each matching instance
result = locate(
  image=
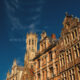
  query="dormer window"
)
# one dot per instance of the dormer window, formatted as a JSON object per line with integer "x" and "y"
{"x": 75, "y": 33}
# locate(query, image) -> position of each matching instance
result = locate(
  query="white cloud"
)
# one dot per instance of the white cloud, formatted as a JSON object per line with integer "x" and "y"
{"x": 36, "y": 17}
{"x": 32, "y": 26}
{"x": 9, "y": 7}
{"x": 16, "y": 40}
{"x": 38, "y": 9}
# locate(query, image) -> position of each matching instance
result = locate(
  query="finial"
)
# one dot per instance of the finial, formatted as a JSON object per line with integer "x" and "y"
{"x": 72, "y": 15}
{"x": 66, "y": 13}
{"x": 14, "y": 62}
{"x": 8, "y": 70}
{"x": 44, "y": 31}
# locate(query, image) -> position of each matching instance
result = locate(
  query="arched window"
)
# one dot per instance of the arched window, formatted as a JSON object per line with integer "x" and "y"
{"x": 32, "y": 42}
{"x": 29, "y": 42}
{"x": 75, "y": 33}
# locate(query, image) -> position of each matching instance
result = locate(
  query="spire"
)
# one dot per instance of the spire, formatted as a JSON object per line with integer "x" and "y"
{"x": 8, "y": 74}
{"x": 66, "y": 13}
{"x": 14, "y": 63}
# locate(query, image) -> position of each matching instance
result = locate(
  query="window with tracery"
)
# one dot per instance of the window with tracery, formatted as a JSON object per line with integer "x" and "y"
{"x": 69, "y": 56}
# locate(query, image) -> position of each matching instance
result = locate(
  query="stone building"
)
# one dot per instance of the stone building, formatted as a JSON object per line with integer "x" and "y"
{"x": 31, "y": 49}
{"x": 44, "y": 63}
{"x": 25, "y": 72}
{"x": 68, "y": 49}
{"x": 16, "y": 72}
{"x": 60, "y": 59}
{"x": 56, "y": 59}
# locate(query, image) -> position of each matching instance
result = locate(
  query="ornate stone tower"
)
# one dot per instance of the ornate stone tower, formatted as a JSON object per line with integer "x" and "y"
{"x": 31, "y": 48}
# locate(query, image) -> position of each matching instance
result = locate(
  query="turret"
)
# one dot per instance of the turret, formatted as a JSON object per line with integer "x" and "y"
{"x": 14, "y": 63}
{"x": 31, "y": 42}
{"x": 31, "y": 48}
{"x": 8, "y": 75}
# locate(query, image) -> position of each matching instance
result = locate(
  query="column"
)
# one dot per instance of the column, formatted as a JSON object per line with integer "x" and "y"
{"x": 41, "y": 74}
{"x": 54, "y": 65}
{"x": 36, "y": 70}
{"x": 48, "y": 71}
{"x": 45, "y": 74}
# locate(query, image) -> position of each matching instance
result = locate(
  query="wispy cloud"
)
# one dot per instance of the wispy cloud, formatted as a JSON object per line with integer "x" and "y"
{"x": 9, "y": 7}
{"x": 32, "y": 22}
{"x": 17, "y": 39}
{"x": 38, "y": 9}
{"x": 36, "y": 17}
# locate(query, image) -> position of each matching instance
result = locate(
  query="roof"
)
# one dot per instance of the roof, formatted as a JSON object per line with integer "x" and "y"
{"x": 47, "y": 49}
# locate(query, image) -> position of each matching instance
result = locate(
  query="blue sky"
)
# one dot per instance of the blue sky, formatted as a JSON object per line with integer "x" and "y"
{"x": 17, "y": 17}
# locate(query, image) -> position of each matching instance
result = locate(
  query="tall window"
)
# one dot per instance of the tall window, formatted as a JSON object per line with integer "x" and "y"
{"x": 35, "y": 42}
{"x": 29, "y": 42}
{"x": 69, "y": 56}
{"x": 75, "y": 33}
{"x": 67, "y": 39}
{"x": 77, "y": 50}
{"x": 45, "y": 43}
{"x": 50, "y": 56}
{"x": 32, "y": 42}
{"x": 45, "y": 59}
{"x": 51, "y": 72}
{"x": 64, "y": 41}
{"x": 38, "y": 63}
{"x": 78, "y": 72}
{"x": 63, "y": 76}
{"x": 71, "y": 74}
{"x": 43, "y": 75}
{"x": 42, "y": 61}
{"x": 38, "y": 76}
{"x": 42, "y": 46}
{"x": 62, "y": 61}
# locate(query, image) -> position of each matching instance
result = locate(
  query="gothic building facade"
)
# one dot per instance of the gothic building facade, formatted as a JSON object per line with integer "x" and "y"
{"x": 56, "y": 59}
{"x": 60, "y": 59}
{"x": 15, "y": 73}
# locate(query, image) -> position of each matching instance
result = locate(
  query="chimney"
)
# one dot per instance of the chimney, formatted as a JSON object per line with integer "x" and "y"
{"x": 53, "y": 36}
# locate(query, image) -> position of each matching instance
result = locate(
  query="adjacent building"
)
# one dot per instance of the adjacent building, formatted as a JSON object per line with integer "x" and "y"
{"x": 68, "y": 50}
{"x": 60, "y": 59}
{"x": 16, "y": 72}
{"x": 31, "y": 49}
{"x": 44, "y": 63}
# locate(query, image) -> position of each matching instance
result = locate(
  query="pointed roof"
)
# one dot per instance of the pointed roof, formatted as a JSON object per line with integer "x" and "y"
{"x": 8, "y": 72}
{"x": 14, "y": 63}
